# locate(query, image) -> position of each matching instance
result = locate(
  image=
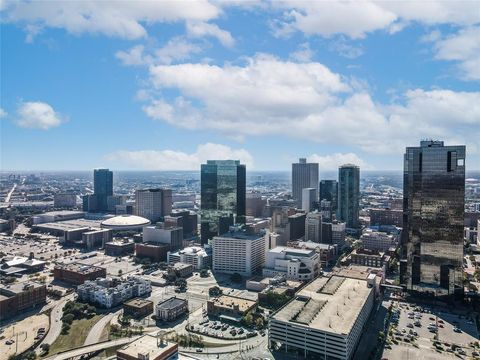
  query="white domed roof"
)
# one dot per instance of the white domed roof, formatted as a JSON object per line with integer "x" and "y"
{"x": 125, "y": 222}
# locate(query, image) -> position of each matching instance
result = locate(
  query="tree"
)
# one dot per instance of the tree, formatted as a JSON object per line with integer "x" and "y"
{"x": 248, "y": 319}
{"x": 204, "y": 273}
{"x": 259, "y": 323}
{"x": 45, "y": 347}
{"x": 68, "y": 318}
{"x": 120, "y": 272}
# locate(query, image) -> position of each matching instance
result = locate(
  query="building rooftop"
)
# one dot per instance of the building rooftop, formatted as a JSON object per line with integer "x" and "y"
{"x": 327, "y": 304}
{"x": 125, "y": 221}
{"x": 293, "y": 251}
{"x": 149, "y": 346}
{"x": 171, "y": 303}
{"x": 241, "y": 235}
{"x": 79, "y": 268}
{"x": 230, "y": 302}
{"x": 10, "y": 290}
{"x": 69, "y": 225}
{"x": 138, "y": 302}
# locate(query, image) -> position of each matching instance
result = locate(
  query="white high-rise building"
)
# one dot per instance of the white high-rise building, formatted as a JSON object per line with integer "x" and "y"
{"x": 309, "y": 196}
{"x": 304, "y": 175}
{"x": 294, "y": 264}
{"x": 313, "y": 227}
{"x": 153, "y": 204}
{"x": 239, "y": 252}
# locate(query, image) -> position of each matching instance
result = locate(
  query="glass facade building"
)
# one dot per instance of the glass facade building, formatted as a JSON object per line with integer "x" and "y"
{"x": 433, "y": 217}
{"x": 102, "y": 187}
{"x": 348, "y": 195}
{"x": 223, "y": 196}
{"x": 329, "y": 191}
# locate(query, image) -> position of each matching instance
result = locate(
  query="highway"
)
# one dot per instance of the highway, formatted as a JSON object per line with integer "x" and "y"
{"x": 95, "y": 333}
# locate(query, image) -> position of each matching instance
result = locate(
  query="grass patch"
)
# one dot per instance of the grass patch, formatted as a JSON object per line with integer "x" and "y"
{"x": 76, "y": 336}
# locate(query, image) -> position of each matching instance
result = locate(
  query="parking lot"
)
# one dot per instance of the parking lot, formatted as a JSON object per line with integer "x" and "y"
{"x": 221, "y": 330}
{"x": 423, "y": 333}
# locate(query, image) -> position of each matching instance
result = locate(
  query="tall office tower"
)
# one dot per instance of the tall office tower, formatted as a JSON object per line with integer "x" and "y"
{"x": 433, "y": 205}
{"x": 304, "y": 175}
{"x": 328, "y": 190}
{"x": 309, "y": 197}
{"x": 153, "y": 204}
{"x": 348, "y": 195}
{"x": 223, "y": 196}
{"x": 313, "y": 227}
{"x": 102, "y": 187}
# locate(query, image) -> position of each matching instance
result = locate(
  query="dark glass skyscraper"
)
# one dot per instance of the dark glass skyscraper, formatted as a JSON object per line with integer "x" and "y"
{"x": 102, "y": 187}
{"x": 223, "y": 196}
{"x": 329, "y": 191}
{"x": 348, "y": 195}
{"x": 433, "y": 206}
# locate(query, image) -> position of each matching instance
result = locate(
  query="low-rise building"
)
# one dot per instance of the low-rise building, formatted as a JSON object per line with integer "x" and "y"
{"x": 148, "y": 347}
{"x": 328, "y": 252}
{"x": 230, "y": 307}
{"x": 293, "y": 263}
{"x": 64, "y": 200}
{"x": 199, "y": 257}
{"x": 181, "y": 269}
{"x": 367, "y": 257}
{"x": 164, "y": 234}
{"x": 325, "y": 319}
{"x": 96, "y": 238}
{"x": 109, "y": 293}
{"x": 386, "y": 217}
{"x": 119, "y": 248}
{"x": 380, "y": 241}
{"x": 54, "y": 216}
{"x": 153, "y": 252}
{"x": 77, "y": 274}
{"x": 17, "y": 298}
{"x": 171, "y": 309}
{"x": 137, "y": 308}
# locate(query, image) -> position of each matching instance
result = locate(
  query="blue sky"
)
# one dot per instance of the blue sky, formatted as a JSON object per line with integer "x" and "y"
{"x": 166, "y": 85}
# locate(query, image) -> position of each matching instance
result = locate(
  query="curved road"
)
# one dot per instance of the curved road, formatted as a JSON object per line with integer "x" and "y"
{"x": 95, "y": 333}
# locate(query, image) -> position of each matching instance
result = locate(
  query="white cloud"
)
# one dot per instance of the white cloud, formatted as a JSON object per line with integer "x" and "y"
{"x": 124, "y": 19}
{"x": 343, "y": 48}
{"x": 176, "y": 49}
{"x": 37, "y": 115}
{"x": 463, "y": 48}
{"x": 201, "y": 29}
{"x": 333, "y": 161}
{"x": 178, "y": 160}
{"x": 3, "y": 113}
{"x": 303, "y": 53}
{"x": 355, "y": 19}
{"x": 268, "y": 96}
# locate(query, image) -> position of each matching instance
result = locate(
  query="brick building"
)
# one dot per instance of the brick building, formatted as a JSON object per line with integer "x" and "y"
{"x": 77, "y": 274}
{"x": 17, "y": 298}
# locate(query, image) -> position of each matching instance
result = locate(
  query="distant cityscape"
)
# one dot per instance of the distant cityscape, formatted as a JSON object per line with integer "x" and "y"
{"x": 260, "y": 264}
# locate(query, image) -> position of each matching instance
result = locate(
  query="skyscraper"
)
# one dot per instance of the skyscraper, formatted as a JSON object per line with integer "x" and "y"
{"x": 153, "y": 204}
{"x": 433, "y": 205}
{"x": 348, "y": 195}
{"x": 304, "y": 175}
{"x": 329, "y": 191}
{"x": 223, "y": 196}
{"x": 102, "y": 189}
{"x": 309, "y": 198}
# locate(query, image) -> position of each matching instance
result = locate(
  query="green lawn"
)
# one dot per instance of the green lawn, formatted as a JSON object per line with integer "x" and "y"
{"x": 75, "y": 337}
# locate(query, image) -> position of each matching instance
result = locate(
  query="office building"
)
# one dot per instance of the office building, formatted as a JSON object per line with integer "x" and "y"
{"x": 223, "y": 196}
{"x": 115, "y": 200}
{"x": 434, "y": 200}
{"x": 309, "y": 199}
{"x": 102, "y": 188}
{"x": 349, "y": 195}
{"x": 239, "y": 252}
{"x": 325, "y": 320}
{"x": 379, "y": 241}
{"x": 328, "y": 190}
{"x": 185, "y": 219}
{"x": 296, "y": 226}
{"x": 137, "y": 308}
{"x": 77, "y": 274}
{"x": 153, "y": 204}
{"x": 160, "y": 234}
{"x": 148, "y": 347}
{"x": 328, "y": 252}
{"x": 255, "y": 205}
{"x": 119, "y": 247}
{"x": 154, "y": 252}
{"x": 326, "y": 209}
{"x": 198, "y": 257}
{"x": 170, "y": 309}
{"x": 292, "y": 263}
{"x": 96, "y": 238}
{"x": 64, "y": 200}
{"x": 304, "y": 175}
{"x": 17, "y": 298}
{"x": 366, "y": 257}
{"x": 313, "y": 227}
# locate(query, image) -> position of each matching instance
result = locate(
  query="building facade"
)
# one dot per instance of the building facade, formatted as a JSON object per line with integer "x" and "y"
{"x": 223, "y": 196}
{"x": 309, "y": 199}
{"x": 153, "y": 204}
{"x": 329, "y": 191}
{"x": 304, "y": 175}
{"x": 349, "y": 195}
{"x": 434, "y": 200}
{"x": 292, "y": 263}
{"x": 102, "y": 188}
{"x": 170, "y": 309}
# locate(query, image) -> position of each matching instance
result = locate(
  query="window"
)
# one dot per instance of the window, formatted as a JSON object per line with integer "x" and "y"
{"x": 460, "y": 162}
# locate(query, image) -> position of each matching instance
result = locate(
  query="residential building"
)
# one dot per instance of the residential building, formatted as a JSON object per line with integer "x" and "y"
{"x": 239, "y": 252}
{"x": 293, "y": 263}
{"x": 77, "y": 274}
{"x": 223, "y": 196}
{"x": 153, "y": 204}
{"x": 17, "y": 298}
{"x": 325, "y": 319}
{"x": 304, "y": 175}
{"x": 197, "y": 256}
{"x": 349, "y": 195}
{"x": 434, "y": 201}
{"x": 170, "y": 309}
{"x": 108, "y": 293}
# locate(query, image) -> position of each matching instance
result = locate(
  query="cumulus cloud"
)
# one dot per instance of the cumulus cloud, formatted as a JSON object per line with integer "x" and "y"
{"x": 307, "y": 101}
{"x": 37, "y": 115}
{"x": 201, "y": 29}
{"x": 333, "y": 161}
{"x": 124, "y": 19}
{"x": 303, "y": 53}
{"x": 462, "y": 48}
{"x": 356, "y": 19}
{"x": 3, "y": 113}
{"x": 178, "y": 160}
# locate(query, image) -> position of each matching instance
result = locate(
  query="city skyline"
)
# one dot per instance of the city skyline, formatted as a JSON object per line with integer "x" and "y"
{"x": 167, "y": 88}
